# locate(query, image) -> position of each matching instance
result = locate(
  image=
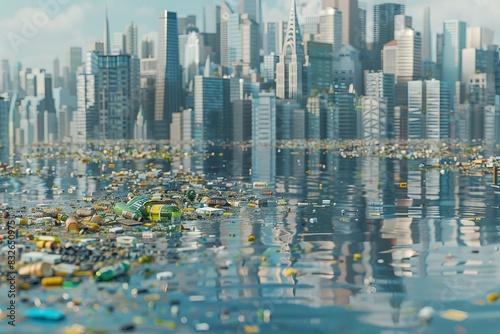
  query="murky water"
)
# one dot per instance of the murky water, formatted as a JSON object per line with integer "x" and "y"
{"x": 365, "y": 264}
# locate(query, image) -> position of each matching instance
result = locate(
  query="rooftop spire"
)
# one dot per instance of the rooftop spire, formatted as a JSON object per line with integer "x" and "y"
{"x": 106, "y": 39}
{"x": 293, "y": 37}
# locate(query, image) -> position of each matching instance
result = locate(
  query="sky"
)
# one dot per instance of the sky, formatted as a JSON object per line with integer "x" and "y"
{"x": 35, "y": 32}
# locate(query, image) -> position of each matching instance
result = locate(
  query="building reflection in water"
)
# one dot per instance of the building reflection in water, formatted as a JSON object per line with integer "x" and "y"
{"x": 393, "y": 213}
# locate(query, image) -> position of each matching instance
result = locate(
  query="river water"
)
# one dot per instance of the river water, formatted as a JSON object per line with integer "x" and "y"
{"x": 367, "y": 263}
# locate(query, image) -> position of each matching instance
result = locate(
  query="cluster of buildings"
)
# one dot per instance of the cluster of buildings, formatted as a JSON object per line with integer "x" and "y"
{"x": 238, "y": 78}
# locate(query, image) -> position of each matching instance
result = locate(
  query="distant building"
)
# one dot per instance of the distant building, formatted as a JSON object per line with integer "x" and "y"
{"x": 479, "y": 38}
{"x": 428, "y": 110}
{"x": 264, "y": 137}
{"x": 454, "y": 41}
{"x": 320, "y": 66}
{"x": 330, "y": 28}
{"x": 211, "y": 108}
{"x": 378, "y": 106}
{"x": 4, "y": 128}
{"x": 269, "y": 67}
{"x": 131, "y": 41}
{"x": 347, "y": 115}
{"x": 147, "y": 48}
{"x": 274, "y": 33}
{"x": 118, "y": 47}
{"x": 383, "y": 25}
{"x": 211, "y": 19}
{"x": 347, "y": 68}
{"x": 147, "y": 94}
{"x": 350, "y": 19}
{"x": 114, "y": 90}
{"x": 73, "y": 60}
{"x": 289, "y": 70}
{"x": 168, "y": 76}
{"x": 184, "y": 23}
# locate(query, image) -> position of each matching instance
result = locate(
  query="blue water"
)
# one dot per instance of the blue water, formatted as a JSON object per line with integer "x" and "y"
{"x": 372, "y": 259}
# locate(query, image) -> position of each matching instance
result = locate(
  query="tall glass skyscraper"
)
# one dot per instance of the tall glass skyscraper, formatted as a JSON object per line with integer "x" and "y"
{"x": 454, "y": 41}
{"x": 383, "y": 25}
{"x": 168, "y": 75}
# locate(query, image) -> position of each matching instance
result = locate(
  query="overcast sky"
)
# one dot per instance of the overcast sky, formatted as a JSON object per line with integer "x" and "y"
{"x": 35, "y": 34}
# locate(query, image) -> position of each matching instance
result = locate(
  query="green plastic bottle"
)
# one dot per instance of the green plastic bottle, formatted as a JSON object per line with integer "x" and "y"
{"x": 137, "y": 203}
{"x": 163, "y": 212}
{"x": 108, "y": 273}
{"x": 122, "y": 209}
{"x": 191, "y": 194}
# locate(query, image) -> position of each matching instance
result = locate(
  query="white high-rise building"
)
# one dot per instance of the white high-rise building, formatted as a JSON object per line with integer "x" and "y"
{"x": 431, "y": 96}
{"x": 330, "y": 27}
{"x": 479, "y": 38}
{"x": 191, "y": 61}
{"x": 415, "y": 108}
{"x": 453, "y": 42}
{"x": 290, "y": 67}
{"x": 264, "y": 137}
{"x": 131, "y": 44}
{"x": 378, "y": 106}
{"x": 118, "y": 43}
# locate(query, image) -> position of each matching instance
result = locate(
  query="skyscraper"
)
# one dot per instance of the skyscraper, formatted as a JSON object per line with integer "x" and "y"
{"x": 428, "y": 110}
{"x": 361, "y": 36}
{"x": 249, "y": 43}
{"x": 347, "y": 68}
{"x": 350, "y": 17}
{"x": 454, "y": 41}
{"x": 378, "y": 106}
{"x": 437, "y": 106}
{"x": 211, "y": 105}
{"x": 147, "y": 48}
{"x": 290, "y": 67}
{"x": 479, "y": 38}
{"x": 320, "y": 59}
{"x": 264, "y": 137}
{"x": 253, "y": 8}
{"x": 330, "y": 27}
{"x": 131, "y": 39}
{"x": 383, "y": 25}
{"x": 106, "y": 37}
{"x": 225, "y": 13}
{"x": 185, "y": 22}
{"x": 85, "y": 123}
{"x": 118, "y": 47}
{"x": 274, "y": 33}
{"x": 114, "y": 89}
{"x": 191, "y": 59}
{"x": 426, "y": 36}
{"x": 168, "y": 75}
{"x": 73, "y": 60}
{"x": 6, "y": 83}
{"x": 211, "y": 19}
{"x": 56, "y": 81}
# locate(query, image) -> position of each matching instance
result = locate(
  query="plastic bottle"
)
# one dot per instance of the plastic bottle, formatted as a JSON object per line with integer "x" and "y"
{"x": 108, "y": 273}
{"x": 122, "y": 209}
{"x": 163, "y": 213}
{"x": 137, "y": 203}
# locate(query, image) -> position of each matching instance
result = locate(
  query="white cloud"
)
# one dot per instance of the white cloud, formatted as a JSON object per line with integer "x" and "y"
{"x": 37, "y": 36}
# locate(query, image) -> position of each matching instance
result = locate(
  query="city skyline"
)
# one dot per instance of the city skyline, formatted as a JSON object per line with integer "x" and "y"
{"x": 63, "y": 23}
{"x": 202, "y": 84}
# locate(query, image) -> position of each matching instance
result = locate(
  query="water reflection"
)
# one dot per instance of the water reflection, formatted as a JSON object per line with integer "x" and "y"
{"x": 389, "y": 242}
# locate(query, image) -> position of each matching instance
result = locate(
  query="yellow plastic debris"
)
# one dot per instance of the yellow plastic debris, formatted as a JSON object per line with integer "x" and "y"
{"x": 251, "y": 238}
{"x": 455, "y": 315}
{"x": 289, "y": 271}
{"x": 492, "y": 297}
{"x": 250, "y": 329}
{"x": 356, "y": 257}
